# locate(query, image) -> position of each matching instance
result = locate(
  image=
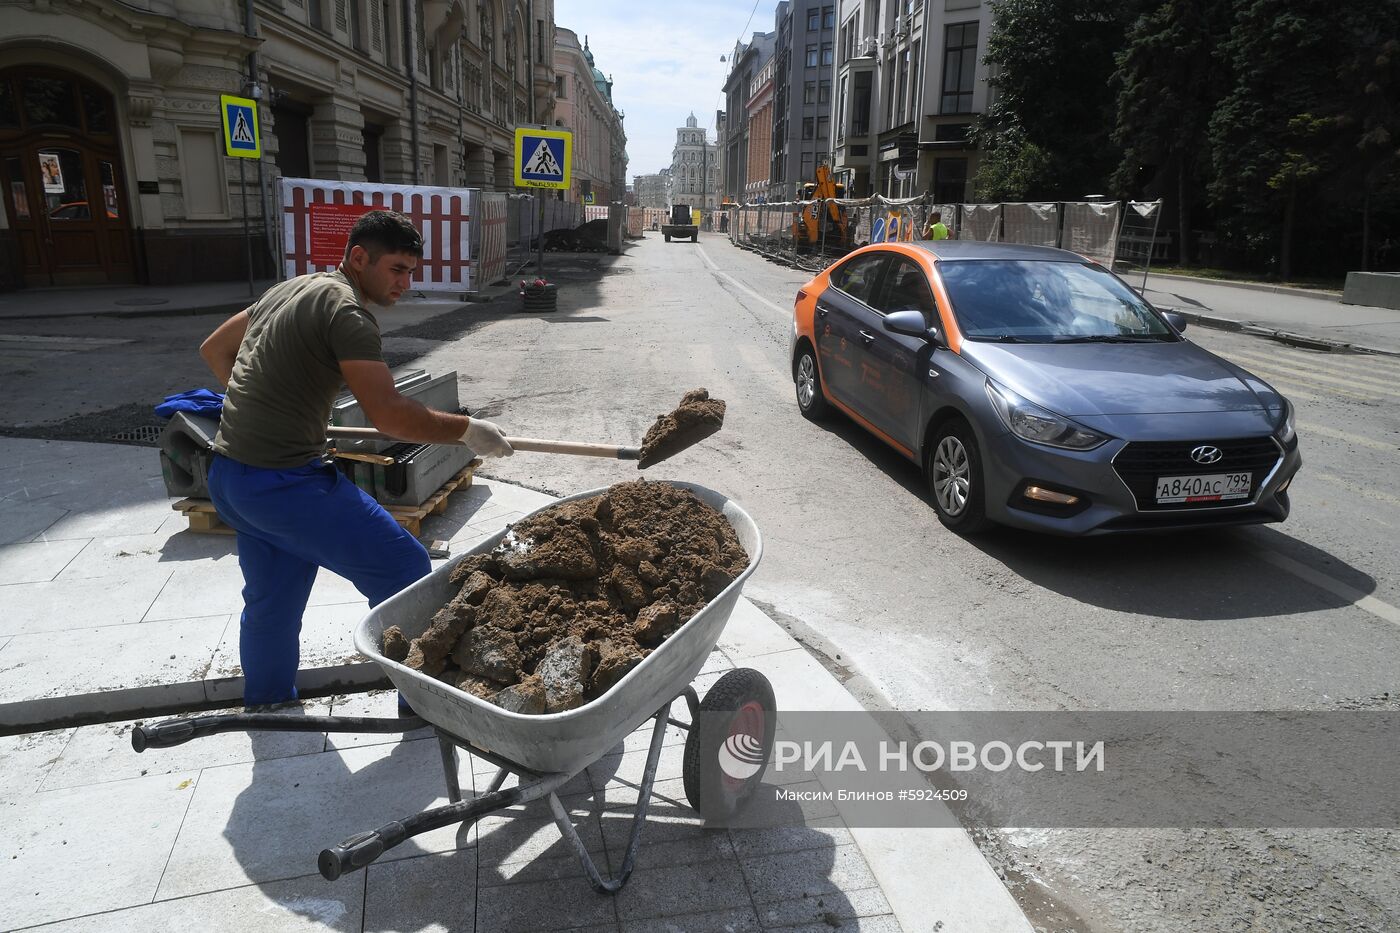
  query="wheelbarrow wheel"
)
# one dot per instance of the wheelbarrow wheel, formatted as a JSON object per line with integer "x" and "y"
{"x": 729, "y": 743}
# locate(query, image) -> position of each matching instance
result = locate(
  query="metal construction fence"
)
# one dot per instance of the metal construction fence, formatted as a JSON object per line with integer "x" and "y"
{"x": 524, "y": 225}
{"x": 813, "y": 234}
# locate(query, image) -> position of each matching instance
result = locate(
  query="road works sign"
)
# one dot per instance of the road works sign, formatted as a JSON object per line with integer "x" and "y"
{"x": 542, "y": 158}
{"x": 241, "y": 136}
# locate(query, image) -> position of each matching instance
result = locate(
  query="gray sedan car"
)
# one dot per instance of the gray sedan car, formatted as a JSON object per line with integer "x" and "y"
{"x": 1038, "y": 390}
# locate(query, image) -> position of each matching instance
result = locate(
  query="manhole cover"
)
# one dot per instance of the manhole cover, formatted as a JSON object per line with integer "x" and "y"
{"x": 142, "y": 302}
{"x": 146, "y": 434}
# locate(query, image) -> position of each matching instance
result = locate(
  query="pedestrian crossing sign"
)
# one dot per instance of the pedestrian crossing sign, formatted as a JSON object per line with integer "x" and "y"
{"x": 543, "y": 157}
{"x": 242, "y": 138}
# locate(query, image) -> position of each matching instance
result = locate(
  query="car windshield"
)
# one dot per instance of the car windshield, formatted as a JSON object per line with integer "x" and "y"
{"x": 1037, "y": 301}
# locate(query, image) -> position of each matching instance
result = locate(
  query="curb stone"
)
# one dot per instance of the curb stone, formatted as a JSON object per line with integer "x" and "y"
{"x": 1282, "y": 336}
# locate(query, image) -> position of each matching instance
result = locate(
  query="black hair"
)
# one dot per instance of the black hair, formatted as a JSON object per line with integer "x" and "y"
{"x": 380, "y": 232}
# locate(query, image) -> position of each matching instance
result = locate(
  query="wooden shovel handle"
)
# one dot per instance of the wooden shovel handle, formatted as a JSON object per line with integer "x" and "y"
{"x": 573, "y": 448}
{"x": 532, "y": 444}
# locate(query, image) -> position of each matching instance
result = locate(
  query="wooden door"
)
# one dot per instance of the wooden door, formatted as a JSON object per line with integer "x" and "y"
{"x": 60, "y": 171}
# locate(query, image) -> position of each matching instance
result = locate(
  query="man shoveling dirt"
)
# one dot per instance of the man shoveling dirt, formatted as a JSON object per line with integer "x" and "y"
{"x": 576, "y": 596}
{"x": 697, "y": 417}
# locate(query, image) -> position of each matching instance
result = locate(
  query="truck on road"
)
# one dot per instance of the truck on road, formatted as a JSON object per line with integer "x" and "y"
{"x": 680, "y": 225}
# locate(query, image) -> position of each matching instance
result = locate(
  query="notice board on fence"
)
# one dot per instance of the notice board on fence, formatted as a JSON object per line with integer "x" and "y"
{"x": 317, "y": 217}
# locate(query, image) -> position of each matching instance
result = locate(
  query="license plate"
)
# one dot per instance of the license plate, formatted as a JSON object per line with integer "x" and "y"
{"x": 1212, "y": 487}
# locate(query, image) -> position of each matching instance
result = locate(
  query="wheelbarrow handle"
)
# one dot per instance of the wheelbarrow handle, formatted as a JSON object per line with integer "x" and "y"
{"x": 174, "y": 732}
{"x": 362, "y": 848}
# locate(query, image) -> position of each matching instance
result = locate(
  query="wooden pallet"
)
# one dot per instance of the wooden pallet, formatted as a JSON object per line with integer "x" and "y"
{"x": 204, "y": 518}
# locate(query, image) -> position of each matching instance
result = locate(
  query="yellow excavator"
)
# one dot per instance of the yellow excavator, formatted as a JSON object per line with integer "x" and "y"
{"x": 824, "y": 223}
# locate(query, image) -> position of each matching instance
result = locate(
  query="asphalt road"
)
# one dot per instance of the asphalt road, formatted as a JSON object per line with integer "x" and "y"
{"x": 1295, "y": 616}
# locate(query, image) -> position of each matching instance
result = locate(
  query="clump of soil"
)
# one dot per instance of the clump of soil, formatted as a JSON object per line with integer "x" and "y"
{"x": 576, "y": 596}
{"x": 696, "y": 418}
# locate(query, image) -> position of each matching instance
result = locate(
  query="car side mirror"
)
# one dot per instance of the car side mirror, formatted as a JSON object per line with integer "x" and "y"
{"x": 912, "y": 324}
{"x": 1177, "y": 321}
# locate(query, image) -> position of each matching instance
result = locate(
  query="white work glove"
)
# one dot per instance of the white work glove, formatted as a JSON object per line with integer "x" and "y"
{"x": 486, "y": 439}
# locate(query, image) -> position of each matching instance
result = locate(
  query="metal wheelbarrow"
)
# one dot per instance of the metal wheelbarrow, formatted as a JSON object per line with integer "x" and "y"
{"x": 736, "y": 717}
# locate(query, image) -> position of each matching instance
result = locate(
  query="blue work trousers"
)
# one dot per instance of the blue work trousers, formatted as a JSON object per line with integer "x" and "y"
{"x": 289, "y": 523}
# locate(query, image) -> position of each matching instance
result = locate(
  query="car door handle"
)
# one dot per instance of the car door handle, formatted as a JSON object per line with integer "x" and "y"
{"x": 867, "y": 337}
{"x": 821, "y": 310}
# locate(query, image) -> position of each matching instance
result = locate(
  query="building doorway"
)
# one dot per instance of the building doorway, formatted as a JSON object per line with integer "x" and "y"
{"x": 61, "y": 179}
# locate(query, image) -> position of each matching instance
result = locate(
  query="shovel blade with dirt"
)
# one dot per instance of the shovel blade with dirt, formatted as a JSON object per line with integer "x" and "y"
{"x": 696, "y": 418}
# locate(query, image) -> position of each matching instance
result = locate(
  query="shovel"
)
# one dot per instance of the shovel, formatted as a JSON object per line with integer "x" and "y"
{"x": 697, "y": 417}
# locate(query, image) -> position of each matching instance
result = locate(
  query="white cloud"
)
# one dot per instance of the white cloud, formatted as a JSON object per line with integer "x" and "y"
{"x": 664, "y": 61}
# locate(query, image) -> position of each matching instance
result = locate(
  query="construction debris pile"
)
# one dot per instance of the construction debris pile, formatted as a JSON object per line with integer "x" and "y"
{"x": 576, "y": 596}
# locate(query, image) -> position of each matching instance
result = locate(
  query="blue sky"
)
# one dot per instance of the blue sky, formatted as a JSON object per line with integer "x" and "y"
{"x": 664, "y": 61}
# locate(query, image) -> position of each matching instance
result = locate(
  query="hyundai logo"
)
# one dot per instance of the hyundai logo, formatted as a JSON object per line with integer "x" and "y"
{"x": 1207, "y": 454}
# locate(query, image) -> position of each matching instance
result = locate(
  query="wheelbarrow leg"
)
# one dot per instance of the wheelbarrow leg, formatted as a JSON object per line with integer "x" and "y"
{"x": 629, "y": 860}
{"x": 449, "y": 769}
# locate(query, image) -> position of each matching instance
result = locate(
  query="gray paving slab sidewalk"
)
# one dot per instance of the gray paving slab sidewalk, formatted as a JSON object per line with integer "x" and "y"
{"x": 1274, "y": 311}
{"x": 114, "y": 609}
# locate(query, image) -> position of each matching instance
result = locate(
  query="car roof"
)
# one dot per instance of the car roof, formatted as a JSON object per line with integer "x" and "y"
{"x": 974, "y": 249}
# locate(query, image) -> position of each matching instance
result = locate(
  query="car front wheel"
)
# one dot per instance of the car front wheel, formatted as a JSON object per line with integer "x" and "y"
{"x": 810, "y": 400}
{"x": 954, "y": 470}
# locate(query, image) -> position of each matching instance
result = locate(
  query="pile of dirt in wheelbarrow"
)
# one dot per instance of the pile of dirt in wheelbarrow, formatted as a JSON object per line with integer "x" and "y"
{"x": 576, "y": 596}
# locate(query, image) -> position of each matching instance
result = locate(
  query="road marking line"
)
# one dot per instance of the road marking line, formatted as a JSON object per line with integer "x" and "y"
{"x": 1377, "y": 608}
{"x": 1310, "y": 428}
{"x": 1281, "y": 379}
{"x": 1349, "y": 378}
{"x": 740, "y": 285}
{"x": 1354, "y": 488}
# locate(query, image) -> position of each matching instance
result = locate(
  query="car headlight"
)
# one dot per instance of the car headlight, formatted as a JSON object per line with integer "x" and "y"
{"x": 1287, "y": 429}
{"x": 1030, "y": 422}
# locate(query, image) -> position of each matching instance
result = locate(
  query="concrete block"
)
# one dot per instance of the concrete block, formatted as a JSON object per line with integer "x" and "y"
{"x": 114, "y": 672}
{"x": 84, "y": 850}
{"x": 186, "y": 451}
{"x": 21, "y": 521}
{"x": 147, "y": 555}
{"x": 84, "y": 603}
{"x": 809, "y": 873}
{"x": 1374, "y": 289}
{"x": 268, "y": 819}
{"x": 100, "y": 753}
{"x": 525, "y": 844}
{"x": 37, "y": 562}
{"x": 662, "y": 891}
{"x": 297, "y": 905}
{"x": 138, "y": 509}
{"x": 541, "y": 905}
{"x": 428, "y": 894}
{"x": 726, "y": 920}
{"x": 28, "y": 759}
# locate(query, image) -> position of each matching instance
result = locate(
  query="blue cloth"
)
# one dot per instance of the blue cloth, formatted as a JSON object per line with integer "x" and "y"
{"x": 289, "y": 523}
{"x": 196, "y": 402}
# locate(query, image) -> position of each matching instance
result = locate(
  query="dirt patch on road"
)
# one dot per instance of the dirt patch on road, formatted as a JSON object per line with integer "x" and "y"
{"x": 576, "y": 596}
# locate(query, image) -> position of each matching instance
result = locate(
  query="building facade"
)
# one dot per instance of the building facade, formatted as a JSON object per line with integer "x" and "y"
{"x": 804, "y": 72}
{"x": 909, "y": 83}
{"x": 746, "y": 62}
{"x": 759, "y": 114}
{"x": 694, "y": 169}
{"x": 584, "y": 105}
{"x": 653, "y": 190}
{"x": 121, "y": 99}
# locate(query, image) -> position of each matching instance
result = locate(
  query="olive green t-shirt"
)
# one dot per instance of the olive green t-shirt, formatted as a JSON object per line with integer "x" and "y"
{"x": 287, "y": 372}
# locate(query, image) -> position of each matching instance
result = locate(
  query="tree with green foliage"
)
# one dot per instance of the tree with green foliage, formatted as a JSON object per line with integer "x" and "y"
{"x": 1169, "y": 77}
{"x": 1278, "y": 133}
{"x": 1048, "y": 132}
